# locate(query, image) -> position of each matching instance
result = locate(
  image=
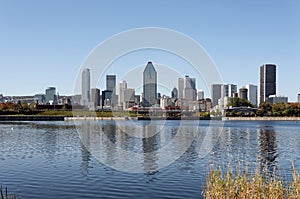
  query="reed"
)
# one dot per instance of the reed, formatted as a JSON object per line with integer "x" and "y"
{"x": 244, "y": 185}
{"x": 4, "y": 194}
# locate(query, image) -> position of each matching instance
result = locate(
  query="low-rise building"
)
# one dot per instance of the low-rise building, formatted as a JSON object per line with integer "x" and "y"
{"x": 277, "y": 99}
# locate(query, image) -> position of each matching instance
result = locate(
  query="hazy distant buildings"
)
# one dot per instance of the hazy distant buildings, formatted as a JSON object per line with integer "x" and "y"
{"x": 85, "y": 87}
{"x": 50, "y": 97}
{"x": 40, "y": 98}
{"x": 95, "y": 97}
{"x": 252, "y": 93}
{"x": 299, "y": 97}
{"x": 267, "y": 81}
{"x": 187, "y": 88}
{"x": 149, "y": 85}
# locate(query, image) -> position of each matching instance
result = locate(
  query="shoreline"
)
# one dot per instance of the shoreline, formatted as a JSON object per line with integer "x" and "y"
{"x": 66, "y": 118}
{"x": 261, "y": 118}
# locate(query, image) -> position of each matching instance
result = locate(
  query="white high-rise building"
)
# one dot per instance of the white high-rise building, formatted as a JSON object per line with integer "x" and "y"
{"x": 122, "y": 87}
{"x": 85, "y": 87}
{"x": 252, "y": 93}
{"x": 187, "y": 88}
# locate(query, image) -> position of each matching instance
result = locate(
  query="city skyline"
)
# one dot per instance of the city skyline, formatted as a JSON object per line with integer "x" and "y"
{"x": 36, "y": 42}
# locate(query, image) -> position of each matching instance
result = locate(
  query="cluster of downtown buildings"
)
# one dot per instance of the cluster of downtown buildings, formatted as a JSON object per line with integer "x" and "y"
{"x": 184, "y": 97}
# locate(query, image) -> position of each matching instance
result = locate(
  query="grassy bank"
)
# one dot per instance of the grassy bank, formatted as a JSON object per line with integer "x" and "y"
{"x": 221, "y": 185}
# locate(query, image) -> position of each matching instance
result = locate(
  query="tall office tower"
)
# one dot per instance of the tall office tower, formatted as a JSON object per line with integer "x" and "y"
{"x": 243, "y": 93}
{"x": 267, "y": 81}
{"x": 111, "y": 86}
{"x": 174, "y": 93}
{"x": 111, "y": 83}
{"x": 299, "y": 97}
{"x": 95, "y": 97}
{"x": 200, "y": 95}
{"x": 187, "y": 88}
{"x": 228, "y": 90}
{"x": 50, "y": 95}
{"x": 122, "y": 87}
{"x": 215, "y": 94}
{"x": 252, "y": 93}
{"x": 129, "y": 100}
{"x": 149, "y": 85}
{"x": 224, "y": 90}
{"x": 180, "y": 87}
{"x": 85, "y": 86}
{"x": 232, "y": 89}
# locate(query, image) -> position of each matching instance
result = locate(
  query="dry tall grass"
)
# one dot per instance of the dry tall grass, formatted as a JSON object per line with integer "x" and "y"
{"x": 242, "y": 185}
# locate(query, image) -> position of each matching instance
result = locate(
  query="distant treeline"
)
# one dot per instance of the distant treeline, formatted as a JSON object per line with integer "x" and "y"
{"x": 264, "y": 109}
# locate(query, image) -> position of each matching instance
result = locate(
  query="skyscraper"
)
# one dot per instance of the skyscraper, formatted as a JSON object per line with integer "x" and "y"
{"x": 228, "y": 90}
{"x": 252, "y": 93}
{"x": 187, "y": 88}
{"x": 122, "y": 87}
{"x": 149, "y": 85}
{"x": 95, "y": 97}
{"x": 111, "y": 86}
{"x": 298, "y": 97}
{"x": 215, "y": 94}
{"x": 111, "y": 83}
{"x": 85, "y": 86}
{"x": 267, "y": 81}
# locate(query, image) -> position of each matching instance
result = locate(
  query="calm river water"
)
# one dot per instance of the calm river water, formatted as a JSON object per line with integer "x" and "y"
{"x": 124, "y": 159}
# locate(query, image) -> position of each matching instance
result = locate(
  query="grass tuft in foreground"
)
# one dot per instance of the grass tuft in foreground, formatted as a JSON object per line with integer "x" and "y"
{"x": 4, "y": 194}
{"x": 242, "y": 185}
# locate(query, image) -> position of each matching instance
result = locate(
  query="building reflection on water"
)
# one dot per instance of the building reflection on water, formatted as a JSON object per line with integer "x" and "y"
{"x": 129, "y": 147}
{"x": 268, "y": 146}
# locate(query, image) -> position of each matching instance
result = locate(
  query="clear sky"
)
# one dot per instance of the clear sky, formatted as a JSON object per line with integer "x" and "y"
{"x": 44, "y": 43}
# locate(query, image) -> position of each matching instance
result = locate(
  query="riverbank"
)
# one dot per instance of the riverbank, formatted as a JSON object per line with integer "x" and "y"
{"x": 90, "y": 118}
{"x": 31, "y": 118}
{"x": 261, "y": 118}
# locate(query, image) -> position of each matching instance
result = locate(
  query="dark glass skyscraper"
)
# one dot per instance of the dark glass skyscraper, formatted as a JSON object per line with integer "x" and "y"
{"x": 111, "y": 83}
{"x": 267, "y": 81}
{"x": 149, "y": 85}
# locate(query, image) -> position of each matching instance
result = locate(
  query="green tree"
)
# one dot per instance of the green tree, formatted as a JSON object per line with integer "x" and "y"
{"x": 238, "y": 102}
{"x": 265, "y": 108}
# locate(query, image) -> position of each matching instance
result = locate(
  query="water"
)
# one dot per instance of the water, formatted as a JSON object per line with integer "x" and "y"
{"x": 53, "y": 160}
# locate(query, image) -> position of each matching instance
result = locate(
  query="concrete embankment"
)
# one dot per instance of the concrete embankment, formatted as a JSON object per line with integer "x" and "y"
{"x": 261, "y": 118}
{"x": 98, "y": 118}
{"x": 30, "y": 118}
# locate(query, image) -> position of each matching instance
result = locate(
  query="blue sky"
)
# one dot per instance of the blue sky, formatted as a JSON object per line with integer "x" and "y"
{"x": 44, "y": 43}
